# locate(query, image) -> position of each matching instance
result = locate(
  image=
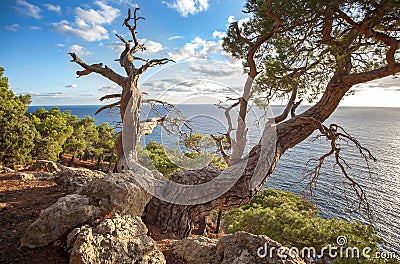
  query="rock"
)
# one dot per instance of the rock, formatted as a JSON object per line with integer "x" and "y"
{"x": 115, "y": 240}
{"x": 3, "y": 206}
{"x": 58, "y": 219}
{"x": 45, "y": 165}
{"x": 33, "y": 176}
{"x": 72, "y": 178}
{"x": 39, "y": 176}
{"x": 6, "y": 170}
{"x": 244, "y": 248}
{"x": 196, "y": 250}
{"x": 117, "y": 193}
{"x": 23, "y": 176}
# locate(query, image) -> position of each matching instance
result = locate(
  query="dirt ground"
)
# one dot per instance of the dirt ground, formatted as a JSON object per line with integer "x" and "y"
{"x": 24, "y": 201}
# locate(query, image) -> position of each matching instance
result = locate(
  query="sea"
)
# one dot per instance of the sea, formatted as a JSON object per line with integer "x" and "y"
{"x": 377, "y": 129}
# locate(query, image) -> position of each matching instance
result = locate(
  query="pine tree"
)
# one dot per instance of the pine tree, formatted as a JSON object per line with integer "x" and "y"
{"x": 16, "y": 130}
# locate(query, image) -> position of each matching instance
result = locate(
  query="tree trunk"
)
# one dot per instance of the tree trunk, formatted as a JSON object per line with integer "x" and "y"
{"x": 98, "y": 163}
{"x": 71, "y": 162}
{"x": 218, "y": 221}
{"x": 261, "y": 162}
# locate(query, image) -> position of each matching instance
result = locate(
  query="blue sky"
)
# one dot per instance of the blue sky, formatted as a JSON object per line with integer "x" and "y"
{"x": 37, "y": 35}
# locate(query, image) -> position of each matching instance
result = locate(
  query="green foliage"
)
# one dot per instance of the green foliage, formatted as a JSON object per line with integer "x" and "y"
{"x": 156, "y": 156}
{"x": 293, "y": 221}
{"x": 54, "y": 128}
{"x": 298, "y": 56}
{"x": 16, "y": 131}
{"x": 83, "y": 138}
{"x": 104, "y": 147}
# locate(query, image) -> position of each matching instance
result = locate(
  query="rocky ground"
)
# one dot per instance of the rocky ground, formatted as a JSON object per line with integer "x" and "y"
{"x": 20, "y": 204}
{"x": 94, "y": 236}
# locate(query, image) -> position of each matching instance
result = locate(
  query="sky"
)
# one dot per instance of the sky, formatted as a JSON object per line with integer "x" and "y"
{"x": 37, "y": 36}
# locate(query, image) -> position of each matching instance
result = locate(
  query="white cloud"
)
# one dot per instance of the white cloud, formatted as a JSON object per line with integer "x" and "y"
{"x": 219, "y": 34}
{"x": 152, "y": 46}
{"x": 88, "y": 23}
{"x": 198, "y": 47}
{"x": 124, "y": 3}
{"x": 232, "y": 19}
{"x": 35, "y": 28}
{"x": 13, "y": 27}
{"x": 117, "y": 46}
{"x": 28, "y": 9}
{"x": 188, "y": 7}
{"x": 175, "y": 37}
{"x": 88, "y": 33}
{"x": 60, "y": 45}
{"x": 214, "y": 69}
{"x": 108, "y": 89}
{"x": 53, "y": 8}
{"x": 79, "y": 50}
{"x": 74, "y": 85}
{"x": 105, "y": 15}
{"x": 52, "y": 95}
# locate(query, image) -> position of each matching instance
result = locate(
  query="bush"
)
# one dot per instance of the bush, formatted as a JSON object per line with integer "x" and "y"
{"x": 294, "y": 222}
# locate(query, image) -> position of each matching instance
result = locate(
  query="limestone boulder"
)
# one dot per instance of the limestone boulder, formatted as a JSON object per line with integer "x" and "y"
{"x": 117, "y": 193}
{"x": 195, "y": 250}
{"x": 246, "y": 248}
{"x": 33, "y": 176}
{"x": 72, "y": 178}
{"x": 45, "y": 165}
{"x": 114, "y": 240}
{"x": 58, "y": 219}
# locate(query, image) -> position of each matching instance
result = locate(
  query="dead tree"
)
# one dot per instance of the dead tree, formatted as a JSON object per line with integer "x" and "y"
{"x": 131, "y": 96}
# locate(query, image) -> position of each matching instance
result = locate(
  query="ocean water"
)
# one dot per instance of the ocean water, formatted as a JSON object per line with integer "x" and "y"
{"x": 378, "y": 129}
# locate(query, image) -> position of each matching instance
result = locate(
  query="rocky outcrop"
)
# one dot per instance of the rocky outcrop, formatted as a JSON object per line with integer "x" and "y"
{"x": 196, "y": 250}
{"x": 115, "y": 240}
{"x": 58, "y": 219}
{"x": 117, "y": 193}
{"x": 45, "y": 165}
{"x": 33, "y": 176}
{"x": 245, "y": 248}
{"x": 237, "y": 248}
{"x": 72, "y": 178}
{"x": 6, "y": 170}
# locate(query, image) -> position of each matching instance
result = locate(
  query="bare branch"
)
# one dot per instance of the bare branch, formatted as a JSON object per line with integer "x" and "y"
{"x": 110, "y": 96}
{"x": 241, "y": 133}
{"x": 153, "y": 63}
{"x": 227, "y": 113}
{"x": 132, "y": 29}
{"x": 221, "y": 148}
{"x": 288, "y": 107}
{"x": 333, "y": 136}
{"x": 101, "y": 109}
{"x": 98, "y": 68}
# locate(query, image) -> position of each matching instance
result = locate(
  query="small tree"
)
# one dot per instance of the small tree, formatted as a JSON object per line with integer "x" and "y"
{"x": 16, "y": 130}
{"x": 104, "y": 146}
{"x": 54, "y": 129}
